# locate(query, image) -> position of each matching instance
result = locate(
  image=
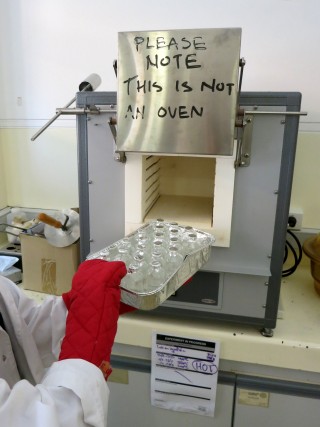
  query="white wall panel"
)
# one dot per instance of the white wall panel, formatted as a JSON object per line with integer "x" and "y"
{"x": 47, "y": 48}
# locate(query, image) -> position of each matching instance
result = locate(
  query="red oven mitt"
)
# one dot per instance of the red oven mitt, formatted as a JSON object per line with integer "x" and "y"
{"x": 93, "y": 305}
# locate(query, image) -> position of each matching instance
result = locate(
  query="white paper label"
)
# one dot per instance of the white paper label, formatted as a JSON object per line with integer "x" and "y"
{"x": 184, "y": 373}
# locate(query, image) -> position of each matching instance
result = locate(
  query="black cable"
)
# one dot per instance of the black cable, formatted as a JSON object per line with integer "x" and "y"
{"x": 297, "y": 254}
{"x": 286, "y": 252}
{"x": 291, "y": 270}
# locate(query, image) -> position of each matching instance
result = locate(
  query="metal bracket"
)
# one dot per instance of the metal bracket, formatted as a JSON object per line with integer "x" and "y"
{"x": 244, "y": 125}
{"x": 120, "y": 156}
{"x": 244, "y": 139}
{"x": 112, "y": 124}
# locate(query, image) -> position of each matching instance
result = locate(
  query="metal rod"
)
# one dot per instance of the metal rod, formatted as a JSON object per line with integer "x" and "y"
{"x": 241, "y": 64}
{"x": 70, "y": 111}
{"x": 15, "y": 226}
{"x": 278, "y": 113}
{"x": 35, "y": 136}
{"x": 115, "y": 67}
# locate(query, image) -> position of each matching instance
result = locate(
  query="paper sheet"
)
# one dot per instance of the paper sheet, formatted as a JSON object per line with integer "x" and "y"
{"x": 184, "y": 373}
{"x": 7, "y": 262}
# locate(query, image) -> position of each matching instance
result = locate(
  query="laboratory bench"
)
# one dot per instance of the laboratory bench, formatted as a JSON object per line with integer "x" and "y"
{"x": 295, "y": 343}
{"x": 280, "y": 373}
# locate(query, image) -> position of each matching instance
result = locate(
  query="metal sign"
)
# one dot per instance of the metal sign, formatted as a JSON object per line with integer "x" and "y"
{"x": 178, "y": 91}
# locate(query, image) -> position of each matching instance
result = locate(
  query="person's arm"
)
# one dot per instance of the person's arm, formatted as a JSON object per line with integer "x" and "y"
{"x": 46, "y": 322}
{"x": 72, "y": 393}
{"x": 73, "y": 390}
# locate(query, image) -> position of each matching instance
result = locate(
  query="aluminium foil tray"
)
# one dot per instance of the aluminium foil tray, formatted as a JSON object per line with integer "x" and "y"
{"x": 149, "y": 297}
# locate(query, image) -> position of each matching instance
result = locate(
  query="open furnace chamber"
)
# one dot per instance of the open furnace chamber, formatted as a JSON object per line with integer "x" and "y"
{"x": 196, "y": 191}
{"x": 242, "y": 197}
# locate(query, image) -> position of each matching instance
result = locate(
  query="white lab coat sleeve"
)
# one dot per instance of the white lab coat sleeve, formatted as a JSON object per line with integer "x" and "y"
{"x": 45, "y": 322}
{"x": 72, "y": 393}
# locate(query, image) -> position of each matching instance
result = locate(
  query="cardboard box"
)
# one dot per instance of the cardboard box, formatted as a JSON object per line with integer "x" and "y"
{"x": 47, "y": 268}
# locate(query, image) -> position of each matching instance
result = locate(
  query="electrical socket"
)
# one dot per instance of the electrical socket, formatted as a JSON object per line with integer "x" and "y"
{"x": 298, "y": 215}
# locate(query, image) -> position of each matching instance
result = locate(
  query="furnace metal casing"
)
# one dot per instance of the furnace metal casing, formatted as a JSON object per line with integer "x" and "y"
{"x": 241, "y": 282}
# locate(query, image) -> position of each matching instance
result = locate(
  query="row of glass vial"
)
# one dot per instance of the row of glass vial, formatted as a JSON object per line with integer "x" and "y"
{"x": 144, "y": 243}
{"x": 185, "y": 239}
{"x": 152, "y": 254}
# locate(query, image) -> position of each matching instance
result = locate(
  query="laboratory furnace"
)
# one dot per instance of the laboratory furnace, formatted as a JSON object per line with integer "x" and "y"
{"x": 180, "y": 141}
